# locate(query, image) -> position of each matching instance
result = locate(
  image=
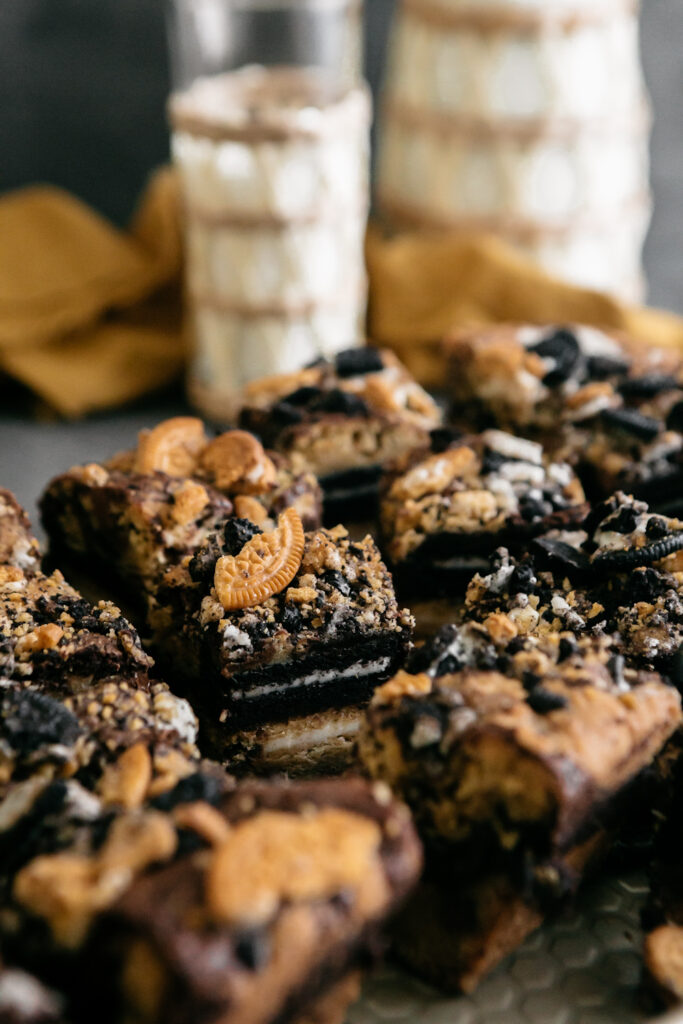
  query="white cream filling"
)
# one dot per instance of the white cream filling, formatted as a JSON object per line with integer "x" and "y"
{"x": 304, "y": 739}
{"x": 321, "y": 676}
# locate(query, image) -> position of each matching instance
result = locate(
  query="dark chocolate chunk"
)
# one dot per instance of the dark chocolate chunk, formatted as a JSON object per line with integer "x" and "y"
{"x": 533, "y": 508}
{"x": 567, "y": 648}
{"x": 647, "y": 386}
{"x": 285, "y": 414}
{"x": 674, "y": 421}
{"x": 338, "y": 401}
{"x": 448, "y": 664}
{"x": 645, "y": 585}
{"x": 656, "y": 528}
{"x": 492, "y": 461}
{"x": 236, "y": 533}
{"x": 559, "y": 552}
{"x": 189, "y": 790}
{"x": 441, "y": 438}
{"x": 252, "y": 949}
{"x": 335, "y": 579}
{"x": 624, "y": 522}
{"x": 602, "y": 367}
{"x": 645, "y": 428}
{"x": 562, "y": 347}
{"x": 600, "y": 512}
{"x": 523, "y": 580}
{"x": 29, "y": 720}
{"x": 543, "y": 701}
{"x": 356, "y": 361}
{"x": 302, "y": 396}
{"x": 530, "y": 680}
{"x": 291, "y": 618}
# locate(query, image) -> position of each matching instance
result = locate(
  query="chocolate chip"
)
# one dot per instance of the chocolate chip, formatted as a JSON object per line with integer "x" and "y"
{"x": 189, "y": 790}
{"x": 291, "y": 618}
{"x": 567, "y": 648}
{"x": 656, "y": 528}
{"x": 302, "y": 396}
{"x": 338, "y": 401}
{"x": 357, "y": 361}
{"x": 530, "y": 680}
{"x": 602, "y": 367}
{"x": 543, "y": 701}
{"x": 624, "y": 522}
{"x": 30, "y": 720}
{"x": 647, "y": 386}
{"x": 441, "y": 438}
{"x": 236, "y": 533}
{"x": 645, "y": 428}
{"x": 674, "y": 421}
{"x": 336, "y": 580}
{"x": 252, "y": 949}
{"x": 562, "y": 347}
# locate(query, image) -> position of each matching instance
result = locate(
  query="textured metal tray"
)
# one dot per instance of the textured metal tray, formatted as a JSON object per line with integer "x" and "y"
{"x": 583, "y": 968}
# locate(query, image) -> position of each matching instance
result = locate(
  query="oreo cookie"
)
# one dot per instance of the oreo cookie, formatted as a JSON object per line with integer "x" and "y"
{"x": 603, "y": 367}
{"x": 633, "y": 557}
{"x": 355, "y": 362}
{"x": 30, "y": 720}
{"x": 647, "y": 386}
{"x": 563, "y": 348}
{"x": 544, "y": 701}
{"x": 236, "y": 533}
{"x": 557, "y": 553}
{"x": 630, "y": 421}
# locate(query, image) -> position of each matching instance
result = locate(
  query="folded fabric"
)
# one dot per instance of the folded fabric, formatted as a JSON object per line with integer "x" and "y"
{"x": 91, "y": 317}
{"x": 424, "y": 285}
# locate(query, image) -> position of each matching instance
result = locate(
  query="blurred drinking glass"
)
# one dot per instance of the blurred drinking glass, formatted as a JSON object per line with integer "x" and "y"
{"x": 270, "y": 133}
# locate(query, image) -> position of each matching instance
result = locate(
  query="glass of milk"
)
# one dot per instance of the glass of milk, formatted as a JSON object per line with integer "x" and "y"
{"x": 270, "y": 123}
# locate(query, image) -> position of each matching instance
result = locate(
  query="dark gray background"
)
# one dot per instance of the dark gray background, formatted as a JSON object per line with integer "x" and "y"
{"x": 82, "y": 91}
{"x": 83, "y": 84}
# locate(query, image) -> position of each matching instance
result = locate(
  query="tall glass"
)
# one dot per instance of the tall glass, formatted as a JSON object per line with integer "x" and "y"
{"x": 270, "y": 133}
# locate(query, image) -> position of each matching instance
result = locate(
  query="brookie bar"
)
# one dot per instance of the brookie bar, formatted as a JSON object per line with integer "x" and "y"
{"x": 143, "y": 882}
{"x": 444, "y": 511}
{"x": 343, "y": 420}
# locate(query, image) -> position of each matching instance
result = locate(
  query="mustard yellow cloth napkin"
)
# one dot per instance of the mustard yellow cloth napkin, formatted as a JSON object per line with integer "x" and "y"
{"x": 91, "y": 318}
{"x": 422, "y": 286}
{"x": 89, "y": 315}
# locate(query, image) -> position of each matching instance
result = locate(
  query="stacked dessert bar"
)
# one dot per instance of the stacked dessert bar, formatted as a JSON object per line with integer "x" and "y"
{"x": 141, "y": 881}
{"x": 611, "y": 407}
{"x": 279, "y": 633}
{"x": 343, "y": 420}
{"x": 517, "y": 734}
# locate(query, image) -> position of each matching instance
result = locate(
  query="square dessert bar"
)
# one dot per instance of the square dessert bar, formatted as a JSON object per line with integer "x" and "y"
{"x": 18, "y": 546}
{"x": 343, "y": 420}
{"x": 144, "y": 883}
{"x": 621, "y": 578}
{"x": 280, "y": 637}
{"x": 487, "y": 761}
{"x": 608, "y": 405}
{"x": 444, "y": 511}
{"x": 145, "y": 510}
